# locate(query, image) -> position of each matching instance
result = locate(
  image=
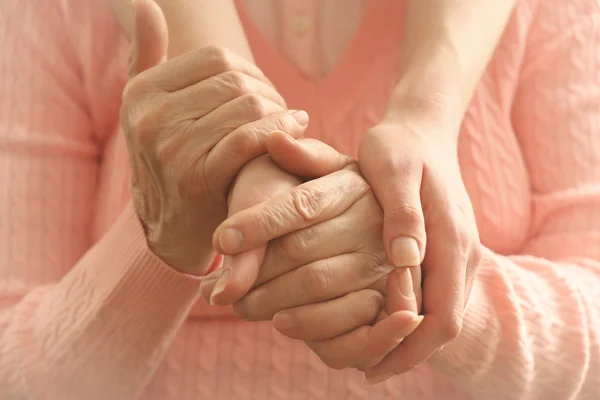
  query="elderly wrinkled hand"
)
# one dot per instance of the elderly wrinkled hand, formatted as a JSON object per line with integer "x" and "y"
{"x": 323, "y": 278}
{"x": 191, "y": 123}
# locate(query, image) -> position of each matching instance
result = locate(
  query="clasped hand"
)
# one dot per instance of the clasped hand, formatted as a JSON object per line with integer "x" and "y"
{"x": 316, "y": 256}
{"x": 312, "y": 256}
{"x": 326, "y": 263}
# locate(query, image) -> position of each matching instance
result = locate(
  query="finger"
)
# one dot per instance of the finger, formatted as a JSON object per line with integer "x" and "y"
{"x": 239, "y": 278}
{"x": 317, "y": 282}
{"x": 377, "y": 355}
{"x": 305, "y": 205}
{"x": 200, "y": 99}
{"x": 366, "y": 342}
{"x": 197, "y": 65}
{"x": 205, "y": 133}
{"x": 209, "y": 281}
{"x": 403, "y": 294}
{"x": 443, "y": 300}
{"x": 395, "y": 176}
{"x": 308, "y": 158}
{"x": 416, "y": 275}
{"x": 249, "y": 188}
{"x": 150, "y": 37}
{"x": 332, "y": 318}
{"x": 400, "y": 292}
{"x": 333, "y": 237}
{"x": 248, "y": 141}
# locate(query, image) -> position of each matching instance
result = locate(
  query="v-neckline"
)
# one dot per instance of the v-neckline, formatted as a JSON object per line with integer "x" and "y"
{"x": 334, "y": 94}
{"x": 355, "y": 59}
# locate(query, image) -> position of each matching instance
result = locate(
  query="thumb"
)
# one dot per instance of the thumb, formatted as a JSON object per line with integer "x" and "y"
{"x": 403, "y": 290}
{"x": 395, "y": 177}
{"x": 150, "y": 38}
{"x": 308, "y": 158}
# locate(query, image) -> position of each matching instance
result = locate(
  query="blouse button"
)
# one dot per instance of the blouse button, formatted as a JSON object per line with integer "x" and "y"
{"x": 300, "y": 24}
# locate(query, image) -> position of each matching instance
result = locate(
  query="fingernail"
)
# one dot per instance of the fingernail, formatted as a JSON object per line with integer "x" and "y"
{"x": 208, "y": 281}
{"x": 231, "y": 240}
{"x": 213, "y": 276}
{"x": 301, "y": 117}
{"x": 405, "y": 283}
{"x": 405, "y": 252}
{"x": 283, "y": 321}
{"x": 410, "y": 327}
{"x": 220, "y": 286}
{"x": 378, "y": 378}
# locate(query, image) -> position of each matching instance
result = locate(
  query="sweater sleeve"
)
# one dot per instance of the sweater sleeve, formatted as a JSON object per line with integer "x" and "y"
{"x": 532, "y": 326}
{"x": 77, "y": 320}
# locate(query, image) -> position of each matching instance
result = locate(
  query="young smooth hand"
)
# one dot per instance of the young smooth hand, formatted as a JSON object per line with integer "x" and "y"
{"x": 413, "y": 168}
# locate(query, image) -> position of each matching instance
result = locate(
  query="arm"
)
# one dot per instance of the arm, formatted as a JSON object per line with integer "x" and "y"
{"x": 85, "y": 320}
{"x": 60, "y": 331}
{"x": 532, "y": 325}
{"x": 191, "y": 24}
{"x": 410, "y": 158}
{"x": 447, "y": 45}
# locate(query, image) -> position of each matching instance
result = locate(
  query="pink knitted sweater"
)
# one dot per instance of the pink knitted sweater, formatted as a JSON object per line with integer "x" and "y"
{"x": 87, "y": 311}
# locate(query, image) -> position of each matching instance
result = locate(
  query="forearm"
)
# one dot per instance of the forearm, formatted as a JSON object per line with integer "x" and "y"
{"x": 529, "y": 321}
{"x": 193, "y": 23}
{"x": 447, "y": 45}
{"x": 100, "y": 331}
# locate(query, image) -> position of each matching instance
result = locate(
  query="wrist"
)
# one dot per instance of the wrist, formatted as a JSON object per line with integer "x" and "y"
{"x": 425, "y": 118}
{"x": 430, "y": 91}
{"x": 180, "y": 254}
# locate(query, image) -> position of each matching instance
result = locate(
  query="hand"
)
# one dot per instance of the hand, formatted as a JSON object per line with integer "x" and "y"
{"x": 299, "y": 268}
{"x": 258, "y": 181}
{"x": 190, "y": 124}
{"x": 415, "y": 175}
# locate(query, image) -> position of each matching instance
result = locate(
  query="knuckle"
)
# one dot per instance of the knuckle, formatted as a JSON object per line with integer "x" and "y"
{"x": 295, "y": 245}
{"x": 316, "y": 280}
{"x": 238, "y": 82}
{"x": 409, "y": 216}
{"x": 373, "y": 303}
{"x": 271, "y": 220}
{"x": 306, "y": 203}
{"x": 255, "y": 105}
{"x": 375, "y": 269}
{"x": 136, "y": 90}
{"x": 476, "y": 254}
{"x": 219, "y": 55}
{"x": 143, "y": 129}
{"x": 281, "y": 123}
{"x": 452, "y": 327}
{"x": 243, "y": 144}
{"x": 460, "y": 236}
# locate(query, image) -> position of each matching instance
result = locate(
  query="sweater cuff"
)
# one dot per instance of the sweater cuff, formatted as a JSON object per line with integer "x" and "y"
{"x": 114, "y": 314}
{"x": 136, "y": 276}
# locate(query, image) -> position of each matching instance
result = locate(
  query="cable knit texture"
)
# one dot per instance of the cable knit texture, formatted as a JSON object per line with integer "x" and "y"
{"x": 87, "y": 312}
